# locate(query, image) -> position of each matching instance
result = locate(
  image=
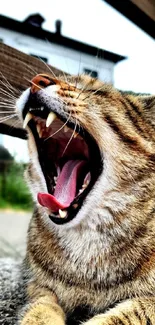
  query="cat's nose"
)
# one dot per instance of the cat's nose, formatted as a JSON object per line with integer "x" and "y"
{"x": 40, "y": 81}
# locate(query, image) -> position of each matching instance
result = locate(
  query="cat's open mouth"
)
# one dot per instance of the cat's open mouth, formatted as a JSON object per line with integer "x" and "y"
{"x": 69, "y": 158}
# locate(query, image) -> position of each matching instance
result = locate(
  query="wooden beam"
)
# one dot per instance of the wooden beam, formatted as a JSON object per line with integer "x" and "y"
{"x": 12, "y": 131}
{"x": 17, "y": 69}
{"x": 137, "y": 11}
{"x": 147, "y": 6}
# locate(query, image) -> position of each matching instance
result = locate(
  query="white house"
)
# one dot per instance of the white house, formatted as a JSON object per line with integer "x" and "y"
{"x": 63, "y": 53}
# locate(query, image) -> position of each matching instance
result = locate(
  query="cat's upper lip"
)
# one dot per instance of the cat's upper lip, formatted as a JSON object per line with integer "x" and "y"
{"x": 50, "y": 119}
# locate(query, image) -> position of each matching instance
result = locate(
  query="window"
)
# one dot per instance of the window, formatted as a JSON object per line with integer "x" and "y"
{"x": 92, "y": 73}
{"x": 39, "y": 57}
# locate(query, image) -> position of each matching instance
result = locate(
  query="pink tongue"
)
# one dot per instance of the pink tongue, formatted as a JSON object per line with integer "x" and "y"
{"x": 65, "y": 190}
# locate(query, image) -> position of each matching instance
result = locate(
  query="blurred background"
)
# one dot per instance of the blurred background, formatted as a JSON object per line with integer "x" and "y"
{"x": 111, "y": 40}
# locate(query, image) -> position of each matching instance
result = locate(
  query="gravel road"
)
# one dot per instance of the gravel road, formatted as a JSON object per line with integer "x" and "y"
{"x": 13, "y": 229}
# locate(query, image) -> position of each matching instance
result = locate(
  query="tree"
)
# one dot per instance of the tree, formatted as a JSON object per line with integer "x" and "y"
{"x": 5, "y": 160}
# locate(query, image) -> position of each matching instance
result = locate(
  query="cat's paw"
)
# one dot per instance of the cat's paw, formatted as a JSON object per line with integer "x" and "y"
{"x": 132, "y": 311}
{"x": 43, "y": 308}
{"x": 103, "y": 319}
{"x": 44, "y": 314}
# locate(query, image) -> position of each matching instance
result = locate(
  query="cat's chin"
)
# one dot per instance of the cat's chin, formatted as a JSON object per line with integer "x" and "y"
{"x": 69, "y": 158}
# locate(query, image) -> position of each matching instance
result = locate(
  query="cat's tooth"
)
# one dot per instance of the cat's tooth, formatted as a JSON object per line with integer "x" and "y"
{"x": 41, "y": 133}
{"x": 66, "y": 129}
{"x": 58, "y": 171}
{"x": 38, "y": 128}
{"x": 87, "y": 179}
{"x": 62, "y": 213}
{"x": 85, "y": 184}
{"x": 28, "y": 117}
{"x": 75, "y": 135}
{"x": 51, "y": 117}
{"x": 55, "y": 179}
{"x": 75, "y": 206}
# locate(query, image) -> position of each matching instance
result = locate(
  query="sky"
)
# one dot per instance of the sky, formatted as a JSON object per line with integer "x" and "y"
{"x": 97, "y": 23}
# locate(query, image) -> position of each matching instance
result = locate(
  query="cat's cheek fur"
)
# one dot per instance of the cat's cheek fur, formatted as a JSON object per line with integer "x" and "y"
{"x": 21, "y": 101}
{"x": 34, "y": 172}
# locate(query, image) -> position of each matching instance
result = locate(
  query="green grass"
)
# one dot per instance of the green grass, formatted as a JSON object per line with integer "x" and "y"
{"x": 14, "y": 192}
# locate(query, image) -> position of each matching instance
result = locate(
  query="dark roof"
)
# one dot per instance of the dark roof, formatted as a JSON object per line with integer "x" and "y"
{"x": 37, "y": 32}
{"x": 135, "y": 14}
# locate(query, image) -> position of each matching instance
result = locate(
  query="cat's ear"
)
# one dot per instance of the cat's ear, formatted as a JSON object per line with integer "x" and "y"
{"x": 148, "y": 103}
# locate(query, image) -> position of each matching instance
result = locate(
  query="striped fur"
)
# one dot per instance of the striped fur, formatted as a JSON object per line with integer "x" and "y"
{"x": 100, "y": 268}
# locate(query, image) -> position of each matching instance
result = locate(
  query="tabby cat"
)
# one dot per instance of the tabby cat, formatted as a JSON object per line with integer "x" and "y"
{"x": 91, "y": 242}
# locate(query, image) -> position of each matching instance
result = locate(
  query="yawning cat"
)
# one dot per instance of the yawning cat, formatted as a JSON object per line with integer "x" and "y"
{"x": 91, "y": 241}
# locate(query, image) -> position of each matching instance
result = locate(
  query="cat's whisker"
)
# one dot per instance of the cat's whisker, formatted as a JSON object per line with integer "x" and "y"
{"x": 95, "y": 63}
{"x": 77, "y": 78}
{"x": 8, "y": 117}
{"x": 14, "y": 89}
{"x": 65, "y": 77}
{"x": 11, "y": 115}
{"x": 84, "y": 88}
{"x": 62, "y": 101}
{"x": 12, "y": 126}
{"x": 15, "y": 124}
{"x": 94, "y": 92}
{"x": 9, "y": 103}
{"x": 5, "y": 93}
{"x": 5, "y": 90}
{"x": 29, "y": 67}
{"x": 8, "y": 98}
{"x": 6, "y": 112}
{"x": 33, "y": 83}
{"x": 5, "y": 99}
{"x": 47, "y": 67}
{"x": 7, "y": 108}
{"x": 5, "y": 85}
{"x": 72, "y": 136}
{"x": 78, "y": 123}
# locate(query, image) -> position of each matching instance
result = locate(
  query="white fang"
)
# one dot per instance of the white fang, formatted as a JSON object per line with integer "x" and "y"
{"x": 62, "y": 213}
{"x": 28, "y": 117}
{"x": 51, "y": 117}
